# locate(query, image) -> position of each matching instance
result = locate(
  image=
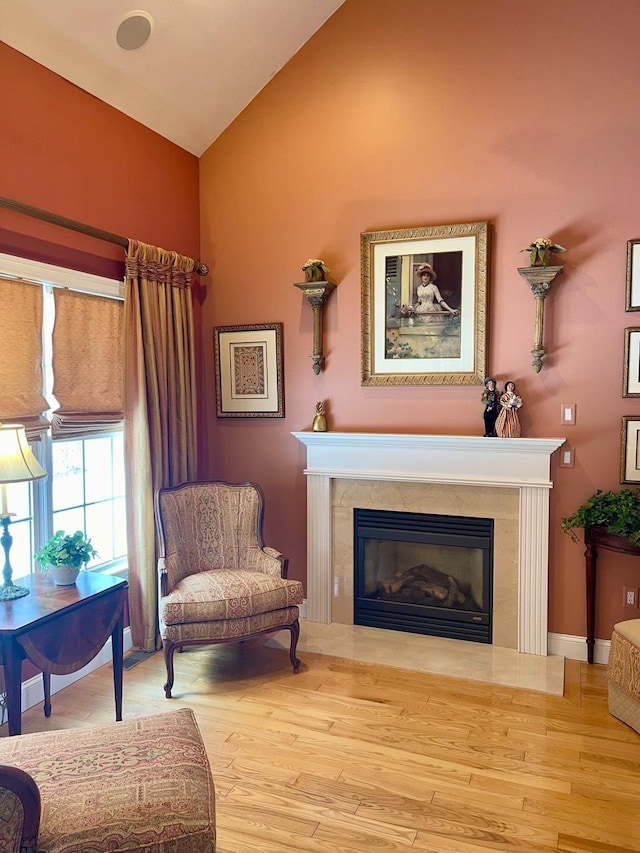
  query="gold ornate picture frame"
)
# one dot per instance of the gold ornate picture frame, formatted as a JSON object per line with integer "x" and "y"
{"x": 630, "y": 450}
{"x": 424, "y": 305}
{"x": 249, "y": 373}
{"x": 633, "y": 276}
{"x": 631, "y": 365}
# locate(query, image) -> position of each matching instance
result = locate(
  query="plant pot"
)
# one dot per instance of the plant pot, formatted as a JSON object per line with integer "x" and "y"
{"x": 64, "y": 575}
{"x": 314, "y": 274}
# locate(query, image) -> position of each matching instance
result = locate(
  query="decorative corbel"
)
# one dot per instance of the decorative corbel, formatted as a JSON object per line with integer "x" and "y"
{"x": 317, "y": 292}
{"x": 539, "y": 280}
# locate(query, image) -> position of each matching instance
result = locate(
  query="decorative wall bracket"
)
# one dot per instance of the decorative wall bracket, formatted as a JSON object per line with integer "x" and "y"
{"x": 317, "y": 292}
{"x": 539, "y": 280}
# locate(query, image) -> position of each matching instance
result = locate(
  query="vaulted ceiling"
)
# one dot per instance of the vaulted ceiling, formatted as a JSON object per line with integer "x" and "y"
{"x": 203, "y": 61}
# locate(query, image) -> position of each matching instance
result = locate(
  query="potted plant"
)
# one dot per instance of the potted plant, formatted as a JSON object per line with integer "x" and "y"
{"x": 616, "y": 512}
{"x": 540, "y": 251}
{"x": 315, "y": 270}
{"x": 65, "y": 554}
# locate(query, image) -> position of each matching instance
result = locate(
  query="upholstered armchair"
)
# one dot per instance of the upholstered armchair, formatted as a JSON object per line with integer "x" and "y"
{"x": 218, "y": 582}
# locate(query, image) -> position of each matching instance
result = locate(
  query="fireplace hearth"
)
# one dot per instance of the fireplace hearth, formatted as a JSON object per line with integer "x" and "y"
{"x": 424, "y": 573}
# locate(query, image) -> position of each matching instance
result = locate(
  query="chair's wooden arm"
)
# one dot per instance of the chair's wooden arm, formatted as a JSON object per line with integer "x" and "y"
{"x": 16, "y": 783}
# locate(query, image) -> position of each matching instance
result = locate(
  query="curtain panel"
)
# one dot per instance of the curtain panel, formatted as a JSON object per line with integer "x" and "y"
{"x": 160, "y": 411}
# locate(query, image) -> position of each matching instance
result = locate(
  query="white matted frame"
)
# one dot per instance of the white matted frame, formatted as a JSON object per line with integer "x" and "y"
{"x": 633, "y": 275}
{"x": 407, "y": 340}
{"x": 631, "y": 367}
{"x": 630, "y": 450}
{"x": 249, "y": 374}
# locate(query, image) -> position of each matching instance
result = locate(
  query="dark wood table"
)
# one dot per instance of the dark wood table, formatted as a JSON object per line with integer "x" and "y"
{"x": 60, "y": 629}
{"x": 594, "y": 538}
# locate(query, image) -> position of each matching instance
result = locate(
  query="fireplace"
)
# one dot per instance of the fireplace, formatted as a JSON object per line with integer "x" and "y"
{"x": 423, "y": 573}
{"x": 466, "y": 475}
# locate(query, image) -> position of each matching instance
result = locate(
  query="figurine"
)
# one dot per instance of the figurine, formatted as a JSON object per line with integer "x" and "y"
{"x": 319, "y": 422}
{"x": 491, "y": 409}
{"x": 508, "y": 422}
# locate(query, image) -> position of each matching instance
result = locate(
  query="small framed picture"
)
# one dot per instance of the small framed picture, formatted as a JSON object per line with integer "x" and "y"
{"x": 249, "y": 376}
{"x": 630, "y": 450}
{"x": 633, "y": 275}
{"x": 631, "y": 367}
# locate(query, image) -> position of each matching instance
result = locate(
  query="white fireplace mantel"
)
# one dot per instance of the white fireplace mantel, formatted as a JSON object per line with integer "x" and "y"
{"x": 521, "y": 463}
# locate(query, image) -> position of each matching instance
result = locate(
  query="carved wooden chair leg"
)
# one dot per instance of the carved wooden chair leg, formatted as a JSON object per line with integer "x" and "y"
{"x": 295, "y": 634}
{"x": 169, "y": 649}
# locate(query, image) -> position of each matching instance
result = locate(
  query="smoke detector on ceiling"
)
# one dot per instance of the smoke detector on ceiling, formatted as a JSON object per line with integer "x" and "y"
{"x": 134, "y": 30}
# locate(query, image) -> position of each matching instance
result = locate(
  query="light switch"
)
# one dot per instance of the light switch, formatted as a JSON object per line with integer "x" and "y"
{"x": 568, "y": 413}
{"x": 567, "y": 456}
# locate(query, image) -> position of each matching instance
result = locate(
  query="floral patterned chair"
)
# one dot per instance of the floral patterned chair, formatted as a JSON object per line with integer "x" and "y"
{"x": 141, "y": 786}
{"x": 218, "y": 582}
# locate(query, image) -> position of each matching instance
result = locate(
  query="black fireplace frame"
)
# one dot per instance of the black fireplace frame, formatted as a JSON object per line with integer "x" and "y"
{"x": 430, "y": 529}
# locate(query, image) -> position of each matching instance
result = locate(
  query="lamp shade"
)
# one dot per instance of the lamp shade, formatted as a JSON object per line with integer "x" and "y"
{"x": 17, "y": 462}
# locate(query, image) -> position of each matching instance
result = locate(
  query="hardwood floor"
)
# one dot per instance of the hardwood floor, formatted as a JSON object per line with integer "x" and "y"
{"x": 348, "y": 757}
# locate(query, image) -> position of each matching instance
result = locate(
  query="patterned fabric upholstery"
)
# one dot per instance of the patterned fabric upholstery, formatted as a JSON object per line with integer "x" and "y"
{"x": 11, "y": 820}
{"x": 623, "y": 673}
{"x": 218, "y": 581}
{"x": 210, "y": 526}
{"x": 230, "y": 629}
{"x": 140, "y": 785}
{"x": 228, "y": 594}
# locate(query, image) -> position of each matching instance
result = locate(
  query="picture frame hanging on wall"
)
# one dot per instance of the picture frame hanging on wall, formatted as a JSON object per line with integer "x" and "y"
{"x": 633, "y": 276}
{"x": 424, "y": 305}
{"x": 249, "y": 372}
{"x": 631, "y": 365}
{"x": 630, "y": 450}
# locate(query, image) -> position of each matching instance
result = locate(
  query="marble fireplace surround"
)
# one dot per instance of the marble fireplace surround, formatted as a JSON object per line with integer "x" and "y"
{"x": 507, "y": 479}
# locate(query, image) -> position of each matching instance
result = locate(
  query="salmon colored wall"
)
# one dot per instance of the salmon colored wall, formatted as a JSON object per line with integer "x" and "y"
{"x": 418, "y": 113}
{"x": 65, "y": 151}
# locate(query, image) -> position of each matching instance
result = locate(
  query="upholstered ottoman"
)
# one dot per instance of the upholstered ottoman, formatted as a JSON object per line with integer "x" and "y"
{"x": 623, "y": 673}
{"x": 139, "y": 785}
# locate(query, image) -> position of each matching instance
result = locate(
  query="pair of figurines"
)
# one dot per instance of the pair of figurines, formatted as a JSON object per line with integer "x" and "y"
{"x": 501, "y": 409}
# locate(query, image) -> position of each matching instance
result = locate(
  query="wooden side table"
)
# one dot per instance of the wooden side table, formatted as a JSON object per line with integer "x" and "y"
{"x": 594, "y": 538}
{"x": 60, "y": 629}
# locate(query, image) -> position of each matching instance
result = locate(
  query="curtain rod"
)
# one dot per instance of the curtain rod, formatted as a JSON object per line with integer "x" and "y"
{"x": 35, "y": 212}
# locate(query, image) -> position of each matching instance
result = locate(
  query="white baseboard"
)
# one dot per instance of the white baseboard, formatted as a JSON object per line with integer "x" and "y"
{"x": 575, "y": 648}
{"x": 33, "y": 688}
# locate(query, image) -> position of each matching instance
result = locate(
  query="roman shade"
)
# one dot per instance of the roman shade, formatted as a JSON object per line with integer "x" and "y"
{"x": 87, "y": 364}
{"x": 21, "y": 398}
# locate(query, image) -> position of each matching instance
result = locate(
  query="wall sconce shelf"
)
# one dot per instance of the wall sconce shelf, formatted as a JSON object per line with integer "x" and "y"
{"x": 539, "y": 280}
{"x": 317, "y": 292}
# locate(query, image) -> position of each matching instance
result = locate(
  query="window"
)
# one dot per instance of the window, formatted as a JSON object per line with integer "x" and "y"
{"x": 85, "y": 489}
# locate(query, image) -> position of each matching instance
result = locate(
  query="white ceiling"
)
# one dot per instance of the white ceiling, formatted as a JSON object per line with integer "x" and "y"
{"x": 203, "y": 63}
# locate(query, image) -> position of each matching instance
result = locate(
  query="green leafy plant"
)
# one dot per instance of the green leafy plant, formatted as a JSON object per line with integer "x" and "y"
{"x": 617, "y": 512}
{"x": 66, "y": 549}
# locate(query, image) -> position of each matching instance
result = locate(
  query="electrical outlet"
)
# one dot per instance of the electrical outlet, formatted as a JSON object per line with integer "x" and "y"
{"x": 629, "y": 596}
{"x": 567, "y": 456}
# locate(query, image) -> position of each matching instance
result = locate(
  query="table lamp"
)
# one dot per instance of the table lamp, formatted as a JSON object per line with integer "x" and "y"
{"x": 17, "y": 465}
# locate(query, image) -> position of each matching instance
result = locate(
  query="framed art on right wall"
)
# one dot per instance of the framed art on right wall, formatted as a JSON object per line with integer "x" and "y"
{"x": 630, "y": 450}
{"x": 633, "y": 275}
{"x": 631, "y": 366}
